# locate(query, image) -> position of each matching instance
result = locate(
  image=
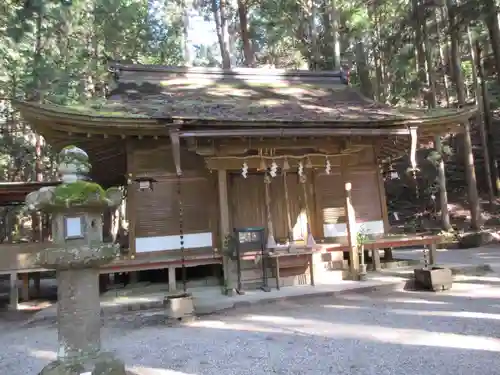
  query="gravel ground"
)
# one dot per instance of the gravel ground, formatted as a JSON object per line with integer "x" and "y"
{"x": 487, "y": 254}
{"x": 380, "y": 333}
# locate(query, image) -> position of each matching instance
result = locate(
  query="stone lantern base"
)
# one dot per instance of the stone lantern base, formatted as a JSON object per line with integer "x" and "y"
{"x": 102, "y": 364}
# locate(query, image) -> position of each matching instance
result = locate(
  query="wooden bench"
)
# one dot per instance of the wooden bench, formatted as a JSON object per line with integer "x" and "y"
{"x": 276, "y": 255}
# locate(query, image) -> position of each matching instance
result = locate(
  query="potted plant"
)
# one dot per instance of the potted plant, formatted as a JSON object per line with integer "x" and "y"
{"x": 361, "y": 240}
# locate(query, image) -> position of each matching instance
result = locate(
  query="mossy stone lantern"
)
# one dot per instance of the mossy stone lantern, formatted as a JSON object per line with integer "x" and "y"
{"x": 76, "y": 207}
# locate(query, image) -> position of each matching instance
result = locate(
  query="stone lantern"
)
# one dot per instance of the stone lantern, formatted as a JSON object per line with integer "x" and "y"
{"x": 76, "y": 207}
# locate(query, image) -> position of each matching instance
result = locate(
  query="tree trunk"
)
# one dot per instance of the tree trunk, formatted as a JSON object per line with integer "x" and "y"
{"x": 245, "y": 35}
{"x": 455, "y": 61}
{"x": 379, "y": 75}
{"x": 185, "y": 34}
{"x": 419, "y": 45}
{"x": 443, "y": 194}
{"x": 491, "y": 21}
{"x": 364, "y": 74}
{"x": 222, "y": 34}
{"x": 335, "y": 38}
{"x": 484, "y": 104}
{"x": 315, "y": 55}
{"x": 442, "y": 60}
{"x": 36, "y": 219}
{"x": 470, "y": 173}
{"x": 480, "y": 116}
{"x": 431, "y": 81}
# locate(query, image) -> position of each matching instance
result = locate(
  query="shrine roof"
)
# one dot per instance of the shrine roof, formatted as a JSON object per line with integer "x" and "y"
{"x": 154, "y": 95}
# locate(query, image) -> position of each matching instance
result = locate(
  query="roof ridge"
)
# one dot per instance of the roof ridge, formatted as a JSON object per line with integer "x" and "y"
{"x": 239, "y": 71}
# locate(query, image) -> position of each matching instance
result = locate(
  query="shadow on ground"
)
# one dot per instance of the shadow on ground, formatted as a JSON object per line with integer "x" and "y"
{"x": 382, "y": 332}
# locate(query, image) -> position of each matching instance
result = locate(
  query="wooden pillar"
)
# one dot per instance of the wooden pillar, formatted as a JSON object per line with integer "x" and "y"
{"x": 271, "y": 242}
{"x": 381, "y": 190}
{"x": 310, "y": 241}
{"x": 432, "y": 254}
{"x": 37, "y": 283}
{"x": 107, "y": 226}
{"x": 130, "y": 203}
{"x": 14, "y": 292}
{"x": 351, "y": 223}
{"x": 383, "y": 209}
{"x": 287, "y": 206}
{"x": 133, "y": 277}
{"x": 376, "y": 259}
{"x": 25, "y": 289}
{"x": 172, "y": 281}
{"x": 311, "y": 196}
{"x": 225, "y": 227}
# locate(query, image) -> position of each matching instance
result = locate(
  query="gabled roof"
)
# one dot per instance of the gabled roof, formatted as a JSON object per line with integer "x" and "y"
{"x": 153, "y": 95}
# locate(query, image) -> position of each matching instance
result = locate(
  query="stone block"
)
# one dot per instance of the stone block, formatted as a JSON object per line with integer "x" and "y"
{"x": 179, "y": 306}
{"x": 476, "y": 239}
{"x": 434, "y": 278}
{"x": 102, "y": 364}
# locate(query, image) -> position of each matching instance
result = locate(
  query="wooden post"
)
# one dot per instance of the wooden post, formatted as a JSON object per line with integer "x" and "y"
{"x": 309, "y": 241}
{"x": 225, "y": 228}
{"x": 25, "y": 290}
{"x": 133, "y": 277}
{"x": 287, "y": 206}
{"x": 381, "y": 191}
{"x": 351, "y": 224}
{"x": 14, "y": 291}
{"x": 131, "y": 200}
{"x": 172, "y": 281}
{"x": 313, "y": 211}
{"x": 37, "y": 281}
{"x": 376, "y": 259}
{"x": 271, "y": 242}
{"x": 432, "y": 253}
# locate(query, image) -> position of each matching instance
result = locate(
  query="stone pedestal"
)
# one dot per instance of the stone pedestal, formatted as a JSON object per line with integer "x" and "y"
{"x": 179, "y": 308}
{"x": 433, "y": 278}
{"x": 78, "y": 310}
{"x": 76, "y": 207}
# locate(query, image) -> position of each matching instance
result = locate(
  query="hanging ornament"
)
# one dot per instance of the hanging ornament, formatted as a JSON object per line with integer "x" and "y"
{"x": 263, "y": 165}
{"x": 309, "y": 163}
{"x": 328, "y": 167}
{"x": 267, "y": 179}
{"x": 286, "y": 166}
{"x": 244, "y": 170}
{"x": 274, "y": 169}
{"x": 301, "y": 169}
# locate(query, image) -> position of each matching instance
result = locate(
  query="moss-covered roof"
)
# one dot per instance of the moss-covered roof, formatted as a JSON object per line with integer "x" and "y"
{"x": 147, "y": 93}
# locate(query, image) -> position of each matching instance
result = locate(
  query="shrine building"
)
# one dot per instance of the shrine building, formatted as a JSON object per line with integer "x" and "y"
{"x": 202, "y": 152}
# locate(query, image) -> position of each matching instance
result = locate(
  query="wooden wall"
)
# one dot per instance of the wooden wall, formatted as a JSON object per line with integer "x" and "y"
{"x": 156, "y": 213}
{"x": 367, "y": 197}
{"x": 325, "y": 194}
{"x": 248, "y": 204}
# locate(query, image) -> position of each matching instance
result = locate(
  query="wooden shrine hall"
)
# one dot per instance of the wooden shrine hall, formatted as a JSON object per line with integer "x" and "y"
{"x": 203, "y": 151}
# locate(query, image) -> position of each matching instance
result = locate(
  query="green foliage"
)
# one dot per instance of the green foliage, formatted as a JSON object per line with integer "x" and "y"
{"x": 78, "y": 192}
{"x": 362, "y": 236}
